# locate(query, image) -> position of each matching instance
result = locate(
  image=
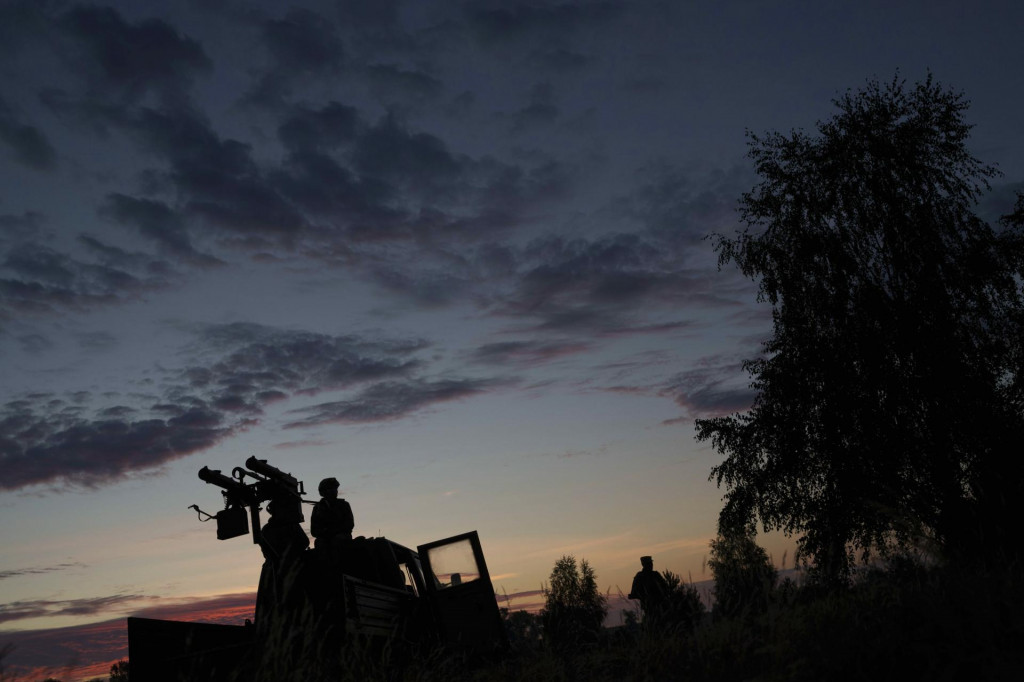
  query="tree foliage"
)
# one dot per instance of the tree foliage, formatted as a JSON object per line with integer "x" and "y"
{"x": 888, "y": 398}
{"x": 744, "y": 575}
{"x": 574, "y": 607}
{"x": 683, "y": 608}
{"x": 119, "y": 671}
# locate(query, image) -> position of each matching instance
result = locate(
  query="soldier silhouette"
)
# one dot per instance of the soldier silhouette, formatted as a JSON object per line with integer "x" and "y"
{"x": 283, "y": 539}
{"x": 650, "y": 589}
{"x": 284, "y": 544}
{"x": 332, "y": 520}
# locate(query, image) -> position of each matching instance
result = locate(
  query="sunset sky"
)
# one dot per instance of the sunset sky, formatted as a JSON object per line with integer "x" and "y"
{"x": 450, "y": 253}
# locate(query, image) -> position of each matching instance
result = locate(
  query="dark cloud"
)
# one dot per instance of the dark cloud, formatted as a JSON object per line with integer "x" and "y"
{"x": 540, "y": 111}
{"x": 715, "y": 387}
{"x": 21, "y": 22}
{"x": 327, "y": 128}
{"x": 266, "y": 364}
{"x": 20, "y": 228}
{"x": 302, "y": 45}
{"x": 392, "y": 82}
{"x": 30, "y": 145}
{"x": 526, "y": 352}
{"x": 47, "y": 439}
{"x": 158, "y": 222}
{"x": 40, "y": 445}
{"x": 96, "y": 340}
{"x": 684, "y": 205}
{"x": 369, "y": 13}
{"x": 34, "y": 278}
{"x": 124, "y": 61}
{"x": 38, "y": 608}
{"x": 35, "y": 343}
{"x": 324, "y": 190}
{"x": 391, "y": 400}
{"x": 38, "y": 570}
{"x": 575, "y": 282}
{"x": 218, "y": 178}
{"x": 559, "y": 60}
{"x": 499, "y": 21}
{"x": 419, "y": 161}
{"x": 303, "y": 41}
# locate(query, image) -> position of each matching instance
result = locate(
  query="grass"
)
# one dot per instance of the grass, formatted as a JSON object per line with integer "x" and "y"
{"x": 907, "y": 622}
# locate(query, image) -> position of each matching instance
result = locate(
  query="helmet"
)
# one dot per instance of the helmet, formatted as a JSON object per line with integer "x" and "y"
{"x": 328, "y": 484}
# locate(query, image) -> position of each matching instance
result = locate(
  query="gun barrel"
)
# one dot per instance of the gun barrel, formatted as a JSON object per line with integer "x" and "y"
{"x": 260, "y": 466}
{"x": 215, "y": 477}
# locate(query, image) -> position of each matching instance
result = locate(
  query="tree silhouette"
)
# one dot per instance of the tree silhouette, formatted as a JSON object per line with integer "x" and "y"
{"x": 574, "y": 607}
{"x": 888, "y": 399}
{"x": 119, "y": 671}
{"x": 744, "y": 575}
{"x": 683, "y": 607}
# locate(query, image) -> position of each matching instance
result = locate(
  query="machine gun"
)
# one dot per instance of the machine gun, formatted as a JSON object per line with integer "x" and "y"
{"x": 373, "y": 588}
{"x": 270, "y": 484}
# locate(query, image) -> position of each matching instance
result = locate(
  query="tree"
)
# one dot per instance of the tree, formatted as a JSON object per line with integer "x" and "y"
{"x": 524, "y": 629}
{"x": 574, "y": 607}
{"x": 683, "y": 608}
{"x": 119, "y": 671}
{"x": 744, "y": 575}
{"x": 888, "y": 398}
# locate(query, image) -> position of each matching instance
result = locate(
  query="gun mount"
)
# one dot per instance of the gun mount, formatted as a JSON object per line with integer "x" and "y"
{"x": 372, "y": 588}
{"x": 269, "y": 484}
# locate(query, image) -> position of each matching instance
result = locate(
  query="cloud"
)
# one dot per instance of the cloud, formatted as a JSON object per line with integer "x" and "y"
{"x": 87, "y": 651}
{"x": 526, "y": 352}
{"x": 540, "y": 20}
{"x": 39, "y": 444}
{"x": 91, "y": 440}
{"x": 21, "y": 21}
{"x": 392, "y": 81}
{"x": 559, "y": 60}
{"x": 19, "y": 228}
{"x": 123, "y": 62}
{"x": 303, "y": 41}
{"x": 35, "y": 343}
{"x": 158, "y": 222}
{"x": 682, "y": 205}
{"x": 540, "y": 111}
{"x": 38, "y": 570}
{"x": 595, "y": 285}
{"x": 310, "y": 130}
{"x": 301, "y": 45}
{"x": 418, "y": 161}
{"x": 30, "y": 145}
{"x": 218, "y": 178}
{"x": 38, "y": 608}
{"x": 266, "y": 364}
{"x": 387, "y": 401}
{"x": 715, "y": 387}
{"x": 36, "y": 278}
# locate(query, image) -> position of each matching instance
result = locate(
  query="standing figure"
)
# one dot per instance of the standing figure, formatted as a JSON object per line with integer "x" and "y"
{"x": 282, "y": 538}
{"x": 284, "y": 545}
{"x": 650, "y": 588}
{"x": 332, "y": 520}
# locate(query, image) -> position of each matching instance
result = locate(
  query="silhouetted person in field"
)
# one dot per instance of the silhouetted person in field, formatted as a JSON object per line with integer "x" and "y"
{"x": 284, "y": 544}
{"x": 332, "y": 521}
{"x": 650, "y": 589}
{"x": 283, "y": 539}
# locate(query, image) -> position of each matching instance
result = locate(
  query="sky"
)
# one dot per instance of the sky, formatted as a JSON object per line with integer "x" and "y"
{"x": 454, "y": 254}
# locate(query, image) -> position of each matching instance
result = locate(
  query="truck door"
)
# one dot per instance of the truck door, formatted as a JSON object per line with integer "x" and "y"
{"x": 461, "y": 594}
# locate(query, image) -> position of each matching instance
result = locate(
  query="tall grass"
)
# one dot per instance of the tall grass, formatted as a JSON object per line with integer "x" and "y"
{"x": 906, "y": 621}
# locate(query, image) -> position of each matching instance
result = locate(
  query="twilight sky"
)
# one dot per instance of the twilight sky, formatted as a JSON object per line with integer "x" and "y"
{"x": 451, "y": 253}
